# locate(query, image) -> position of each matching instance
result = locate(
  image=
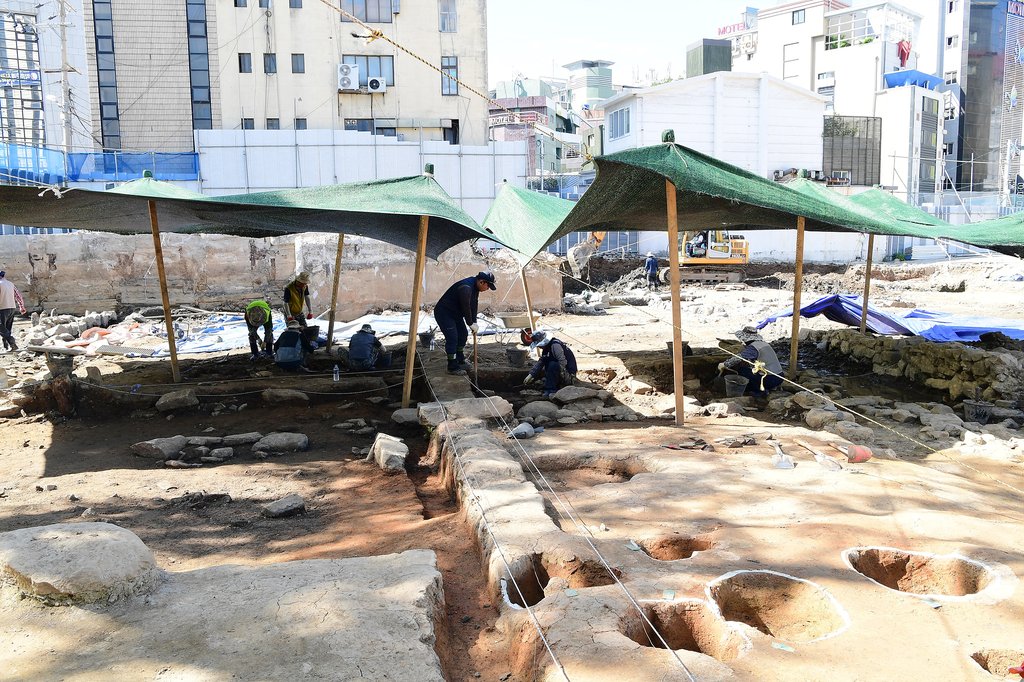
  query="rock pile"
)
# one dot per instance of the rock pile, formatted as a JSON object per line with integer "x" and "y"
{"x": 57, "y": 330}
{"x": 575, "y": 404}
{"x": 177, "y": 452}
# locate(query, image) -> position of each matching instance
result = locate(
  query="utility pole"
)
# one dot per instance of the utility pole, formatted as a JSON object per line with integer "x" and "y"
{"x": 64, "y": 68}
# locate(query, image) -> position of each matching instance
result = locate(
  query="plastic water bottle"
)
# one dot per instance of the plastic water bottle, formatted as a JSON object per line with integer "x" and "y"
{"x": 337, "y": 373}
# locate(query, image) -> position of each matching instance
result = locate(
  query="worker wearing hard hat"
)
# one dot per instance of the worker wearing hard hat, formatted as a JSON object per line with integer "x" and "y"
{"x": 456, "y": 313}
{"x": 557, "y": 363}
{"x": 296, "y": 297}
{"x": 757, "y": 362}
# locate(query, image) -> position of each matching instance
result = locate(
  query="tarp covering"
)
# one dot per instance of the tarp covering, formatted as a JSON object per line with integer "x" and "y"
{"x": 629, "y": 193}
{"x": 525, "y": 219}
{"x": 846, "y": 309}
{"x": 387, "y": 210}
{"x": 885, "y": 204}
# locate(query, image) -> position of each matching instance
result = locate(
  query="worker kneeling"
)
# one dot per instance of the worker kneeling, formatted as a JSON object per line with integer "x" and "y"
{"x": 757, "y": 362}
{"x": 366, "y": 352}
{"x": 557, "y": 363}
{"x": 291, "y": 349}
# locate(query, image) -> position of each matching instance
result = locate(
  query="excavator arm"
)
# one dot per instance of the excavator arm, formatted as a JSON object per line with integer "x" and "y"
{"x": 579, "y": 255}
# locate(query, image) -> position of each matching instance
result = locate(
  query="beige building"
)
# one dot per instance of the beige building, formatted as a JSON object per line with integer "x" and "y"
{"x": 160, "y": 70}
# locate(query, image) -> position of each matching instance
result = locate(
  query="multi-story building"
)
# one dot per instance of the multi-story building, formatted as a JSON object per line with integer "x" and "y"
{"x": 527, "y": 109}
{"x": 163, "y": 70}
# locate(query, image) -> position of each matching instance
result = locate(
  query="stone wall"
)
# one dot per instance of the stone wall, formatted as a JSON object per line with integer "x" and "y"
{"x": 97, "y": 271}
{"x": 961, "y": 370}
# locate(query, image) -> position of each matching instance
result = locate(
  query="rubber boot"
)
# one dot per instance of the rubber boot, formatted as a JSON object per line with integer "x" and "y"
{"x": 460, "y": 358}
{"x": 455, "y": 368}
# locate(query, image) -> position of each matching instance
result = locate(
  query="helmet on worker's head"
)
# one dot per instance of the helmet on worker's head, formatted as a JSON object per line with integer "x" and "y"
{"x": 526, "y": 336}
{"x": 539, "y": 340}
{"x": 293, "y": 324}
{"x": 650, "y": 254}
{"x": 486, "y": 277}
{"x": 748, "y": 334}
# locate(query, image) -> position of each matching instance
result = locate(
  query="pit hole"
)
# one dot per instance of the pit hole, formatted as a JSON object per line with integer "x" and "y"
{"x": 578, "y": 573}
{"x": 998, "y": 661}
{"x": 573, "y": 473}
{"x": 920, "y": 573}
{"x": 689, "y": 625}
{"x": 778, "y": 605}
{"x": 675, "y": 547}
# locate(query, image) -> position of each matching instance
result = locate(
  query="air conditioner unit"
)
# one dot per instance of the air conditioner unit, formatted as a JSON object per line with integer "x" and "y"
{"x": 348, "y": 77}
{"x": 376, "y": 85}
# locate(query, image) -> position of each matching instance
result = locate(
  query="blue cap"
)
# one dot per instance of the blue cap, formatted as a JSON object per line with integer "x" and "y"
{"x": 487, "y": 277}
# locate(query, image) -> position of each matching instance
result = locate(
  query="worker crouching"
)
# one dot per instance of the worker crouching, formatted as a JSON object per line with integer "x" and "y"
{"x": 291, "y": 349}
{"x": 757, "y": 362}
{"x": 366, "y": 352}
{"x": 557, "y": 363}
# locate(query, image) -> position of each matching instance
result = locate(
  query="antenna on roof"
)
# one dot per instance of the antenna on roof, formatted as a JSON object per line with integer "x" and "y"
{"x": 668, "y": 136}
{"x": 428, "y": 170}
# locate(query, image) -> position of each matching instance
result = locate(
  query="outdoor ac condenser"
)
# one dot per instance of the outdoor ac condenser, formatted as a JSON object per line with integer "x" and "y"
{"x": 376, "y": 85}
{"x": 348, "y": 77}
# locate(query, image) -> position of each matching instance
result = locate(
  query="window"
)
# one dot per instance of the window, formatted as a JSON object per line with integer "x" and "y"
{"x": 387, "y": 132}
{"x": 106, "y": 76}
{"x": 951, "y": 6}
{"x": 199, "y": 65}
{"x": 930, "y": 106}
{"x": 618, "y": 124}
{"x": 448, "y": 22}
{"x": 950, "y": 77}
{"x": 300, "y": 124}
{"x": 269, "y": 63}
{"x": 244, "y": 62}
{"x": 952, "y": 41}
{"x": 950, "y": 113}
{"x": 248, "y": 123}
{"x": 827, "y": 75}
{"x": 372, "y": 11}
{"x": 372, "y": 67}
{"x": 273, "y": 124}
{"x": 240, "y": 3}
{"x": 790, "y": 61}
{"x": 363, "y": 125}
{"x": 265, "y": 4}
{"x": 829, "y": 93}
{"x": 799, "y": 17}
{"x": 947, "y": 149}
{"x": 295, "y": 4}
{"x": 298, "y": 63}
{"x": 449, "y": 74}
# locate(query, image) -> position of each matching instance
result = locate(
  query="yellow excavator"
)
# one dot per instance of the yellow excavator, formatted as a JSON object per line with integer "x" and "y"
{"x": 706, "y": 256}
{"x": 580, "y": 254}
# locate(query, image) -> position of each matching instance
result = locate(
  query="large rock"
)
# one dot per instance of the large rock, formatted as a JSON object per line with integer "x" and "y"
{"x": 538, "y": 408}
{"x": 818, "y": 418}
{"x": 853, "y": 432}
{"x": 177, "y": 400}
{"x": 286, "y": 506}
{"x": 389, "y": 453}
{"x": 495, "y": 409}
{"x": 282, "y": 442}
{"x": 284, "y": 396}
{"x": 160, "y": 448}
{"x": 573, "y": 393}
{"x": 808, "y": 400}
{"x": 77, "y": 563}
{"x": 242, "y": 438}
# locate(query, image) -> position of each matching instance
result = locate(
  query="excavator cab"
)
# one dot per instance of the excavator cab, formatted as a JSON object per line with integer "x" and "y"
{"x": 714, "y": 247}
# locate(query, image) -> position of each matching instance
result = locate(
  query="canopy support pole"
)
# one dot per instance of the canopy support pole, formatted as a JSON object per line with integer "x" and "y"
{"x": 155, "y": 225}
{"x": 798, "y": 283}
{"x": 334, "y": 291}
{"x": 677, "y": 315}
{"x": 867, "y": 284}
{"x": 414, "y": 313}
{"x": 529, "y": 302}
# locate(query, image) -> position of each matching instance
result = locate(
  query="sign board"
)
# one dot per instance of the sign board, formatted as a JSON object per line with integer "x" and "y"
{"x": 1015, "y": 8}
{"x": 16, "y": 78}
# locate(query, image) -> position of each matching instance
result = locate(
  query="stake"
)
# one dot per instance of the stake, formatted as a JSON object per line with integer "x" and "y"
{"x": 476, "y": 364}
{"x": 867, "y": 284}
{"x": 677, "y": 322}
{"x": 529, "y": 303}
{"x": 798, "y": 282}
{"x": 334, "y": 291}
{"x": 414, "y": 314}
{"x": 175, "y": 372}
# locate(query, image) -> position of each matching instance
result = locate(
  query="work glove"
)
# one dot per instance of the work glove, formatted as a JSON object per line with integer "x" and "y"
{"x": 309, "y": 316}
{"x": 721, "y": 367}
{"x": 474, "y": 327}
{"x": 289, "y": 319}
{"x": 529, "y": 380}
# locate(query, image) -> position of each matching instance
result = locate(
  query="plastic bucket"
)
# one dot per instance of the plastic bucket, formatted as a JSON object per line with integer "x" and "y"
{"x": 425, "y": 339}
{"x": 735, "y": 385}
{"x": 516, "y": 356}
{"x": 977, "y": 411}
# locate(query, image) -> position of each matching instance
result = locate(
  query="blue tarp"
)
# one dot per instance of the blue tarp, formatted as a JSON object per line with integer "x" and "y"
{"x": 911, "y": 77}
{"x": 846, "y": 309}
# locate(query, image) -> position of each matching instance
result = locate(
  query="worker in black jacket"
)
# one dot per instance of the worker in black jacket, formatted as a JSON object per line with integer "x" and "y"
{"x": 557, "y": 363}
{"x": 456, "y": 312}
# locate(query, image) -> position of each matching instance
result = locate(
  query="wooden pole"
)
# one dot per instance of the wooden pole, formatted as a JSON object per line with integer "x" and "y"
{"x": 529, "y": 303}
{"x": 175, "y": 371}
{"x": 798, "y": 283}
{"x": 677, "y": 315}
{"x": 414, "y": 314}
{"x": 334, "y": 291}
{"x": 867, "y": 284}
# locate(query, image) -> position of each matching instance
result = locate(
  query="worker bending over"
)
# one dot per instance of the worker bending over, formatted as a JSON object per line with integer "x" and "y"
{"x": 365, "y": 351}
{"x": 257, "y": 314}
{"x": 557, "y": 363}
{"x": 456, "y": 312}
{"x": 296, "y": 296}
{"x": 757, "y": 362}
{"x": 291, "y": 349}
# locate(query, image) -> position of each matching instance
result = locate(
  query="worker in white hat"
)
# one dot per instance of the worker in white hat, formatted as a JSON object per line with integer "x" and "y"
{"x": 296, "y": 297}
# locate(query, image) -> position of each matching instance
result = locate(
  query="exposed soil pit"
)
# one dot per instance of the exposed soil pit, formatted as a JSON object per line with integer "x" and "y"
{"x": 951, "y": 576}
{"x": 675, "y": 547}
{"x": 999, "y": 661}
{"x": 578, "y": 573}
{"x": 689, "y": 625}
{"x": 778, "y": 605}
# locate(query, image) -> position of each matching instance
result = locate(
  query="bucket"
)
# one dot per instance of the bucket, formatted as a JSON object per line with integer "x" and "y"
{"x": 735, "y": 385}
{"x": 977, "y": 411}
{"x": 311, "y": 332}
{"x": 426, "y": 338}
{"x": 517, "y": 356}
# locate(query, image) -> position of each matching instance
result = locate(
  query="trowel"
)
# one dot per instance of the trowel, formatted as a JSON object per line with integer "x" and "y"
{"x": 830, "y": 463}
{"x": 780, "y": 460}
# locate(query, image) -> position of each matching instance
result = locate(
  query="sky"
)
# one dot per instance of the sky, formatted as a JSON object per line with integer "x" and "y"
{"x": 536, "y": 37}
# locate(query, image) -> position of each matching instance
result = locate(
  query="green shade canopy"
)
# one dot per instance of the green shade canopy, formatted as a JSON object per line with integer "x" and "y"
{"x": 884, "y": 204}
{"x": 387, "y": 210}
{"x": 525, "y": 219}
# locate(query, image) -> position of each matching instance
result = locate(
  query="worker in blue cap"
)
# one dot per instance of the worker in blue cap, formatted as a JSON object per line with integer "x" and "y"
{"x": 456, "y": 313}
{"x": 557, "y": 363}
